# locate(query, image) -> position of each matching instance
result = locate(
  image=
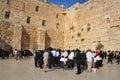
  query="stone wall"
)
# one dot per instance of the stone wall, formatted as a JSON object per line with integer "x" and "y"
{"x": 93, "y": 23}
{"x": 34, "y": 32}
{"x": 41, "y": 39}
{"x": 29, "y": 36}
{"x": 5, "y": 30}
{"x": 10, "y": 35}
{"x": 33, "y": 24}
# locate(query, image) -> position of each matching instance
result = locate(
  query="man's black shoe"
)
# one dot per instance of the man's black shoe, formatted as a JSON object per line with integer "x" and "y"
{"x": 77, "y": 73}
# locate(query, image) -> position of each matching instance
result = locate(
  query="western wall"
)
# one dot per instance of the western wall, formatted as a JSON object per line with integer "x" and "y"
{"x": 32, "y": 24}
{"x": 96, "y": 21}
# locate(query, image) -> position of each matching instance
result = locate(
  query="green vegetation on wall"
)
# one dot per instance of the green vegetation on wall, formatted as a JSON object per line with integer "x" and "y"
{"x": 79, "y": 34}
{"x": 88, "y": 27}
{"x": 82, "y": 39}
{"x": 71, "y": 28}
{"x": 99, "y": 46}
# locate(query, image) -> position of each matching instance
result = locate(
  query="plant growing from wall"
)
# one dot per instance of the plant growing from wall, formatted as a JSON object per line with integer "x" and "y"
{"x": 76, "y": 8}
{"x": 99, "y": 46}
{"x": 82, "y": 39}
{"x": 76, "y": 40}
{"x": 72, "y": 36}
{"x": 88, "y": 27}
{"x": 91, "y": 7}
{"x": 71, "y": 28}
{"x": 79, "y": 34}
{"x": 82, "y": 29}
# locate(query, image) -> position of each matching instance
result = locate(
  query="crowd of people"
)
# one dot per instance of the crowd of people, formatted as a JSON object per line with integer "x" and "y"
{"x": 68, "y": 59}
{"x": 20, "y": 54}
{"x": 5, "y": 53}
{"x": 17, "y": 54}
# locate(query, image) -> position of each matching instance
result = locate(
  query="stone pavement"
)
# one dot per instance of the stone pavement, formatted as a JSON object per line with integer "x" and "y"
{"x": 24, "y": 70}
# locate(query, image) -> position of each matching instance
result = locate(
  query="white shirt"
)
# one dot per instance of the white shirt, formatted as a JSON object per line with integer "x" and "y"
{"x": 94, "y": 54}
{"x": 63, "y": 59}
{"x": 62, "y": 54}
{"x": 89, "y": 56}
{"x": 15, "y": 52}
{"x": 71, "y": 55}
{"x": 97, "y": 58}
{"x": 45, "y": 56}
{"x": 57, "y": 53}
{"x": 65, "y": 54}
{"x": 54, "y": 52}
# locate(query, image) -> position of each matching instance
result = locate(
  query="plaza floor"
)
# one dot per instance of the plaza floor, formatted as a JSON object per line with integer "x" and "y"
{"x": 11, "y": 69}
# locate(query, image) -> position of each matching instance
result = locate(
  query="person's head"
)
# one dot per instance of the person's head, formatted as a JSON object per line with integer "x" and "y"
{"x": 62, "y": 56}
{"x": 109, "y": 51}
{"x": 89, "y": 50}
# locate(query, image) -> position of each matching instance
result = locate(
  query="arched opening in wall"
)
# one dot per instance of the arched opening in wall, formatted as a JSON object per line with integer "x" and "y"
{"x": 47, "y": 40}
{"x": 25, "y": 42}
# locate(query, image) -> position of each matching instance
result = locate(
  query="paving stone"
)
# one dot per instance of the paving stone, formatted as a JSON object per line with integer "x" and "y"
{"x": 24, "y": 70}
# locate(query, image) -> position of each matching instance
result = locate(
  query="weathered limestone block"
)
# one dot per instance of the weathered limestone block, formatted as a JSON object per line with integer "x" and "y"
{"x": 17, "y": 35}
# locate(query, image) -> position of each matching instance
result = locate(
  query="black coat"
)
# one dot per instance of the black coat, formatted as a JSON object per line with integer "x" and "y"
{"x": 79, "y": 58}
